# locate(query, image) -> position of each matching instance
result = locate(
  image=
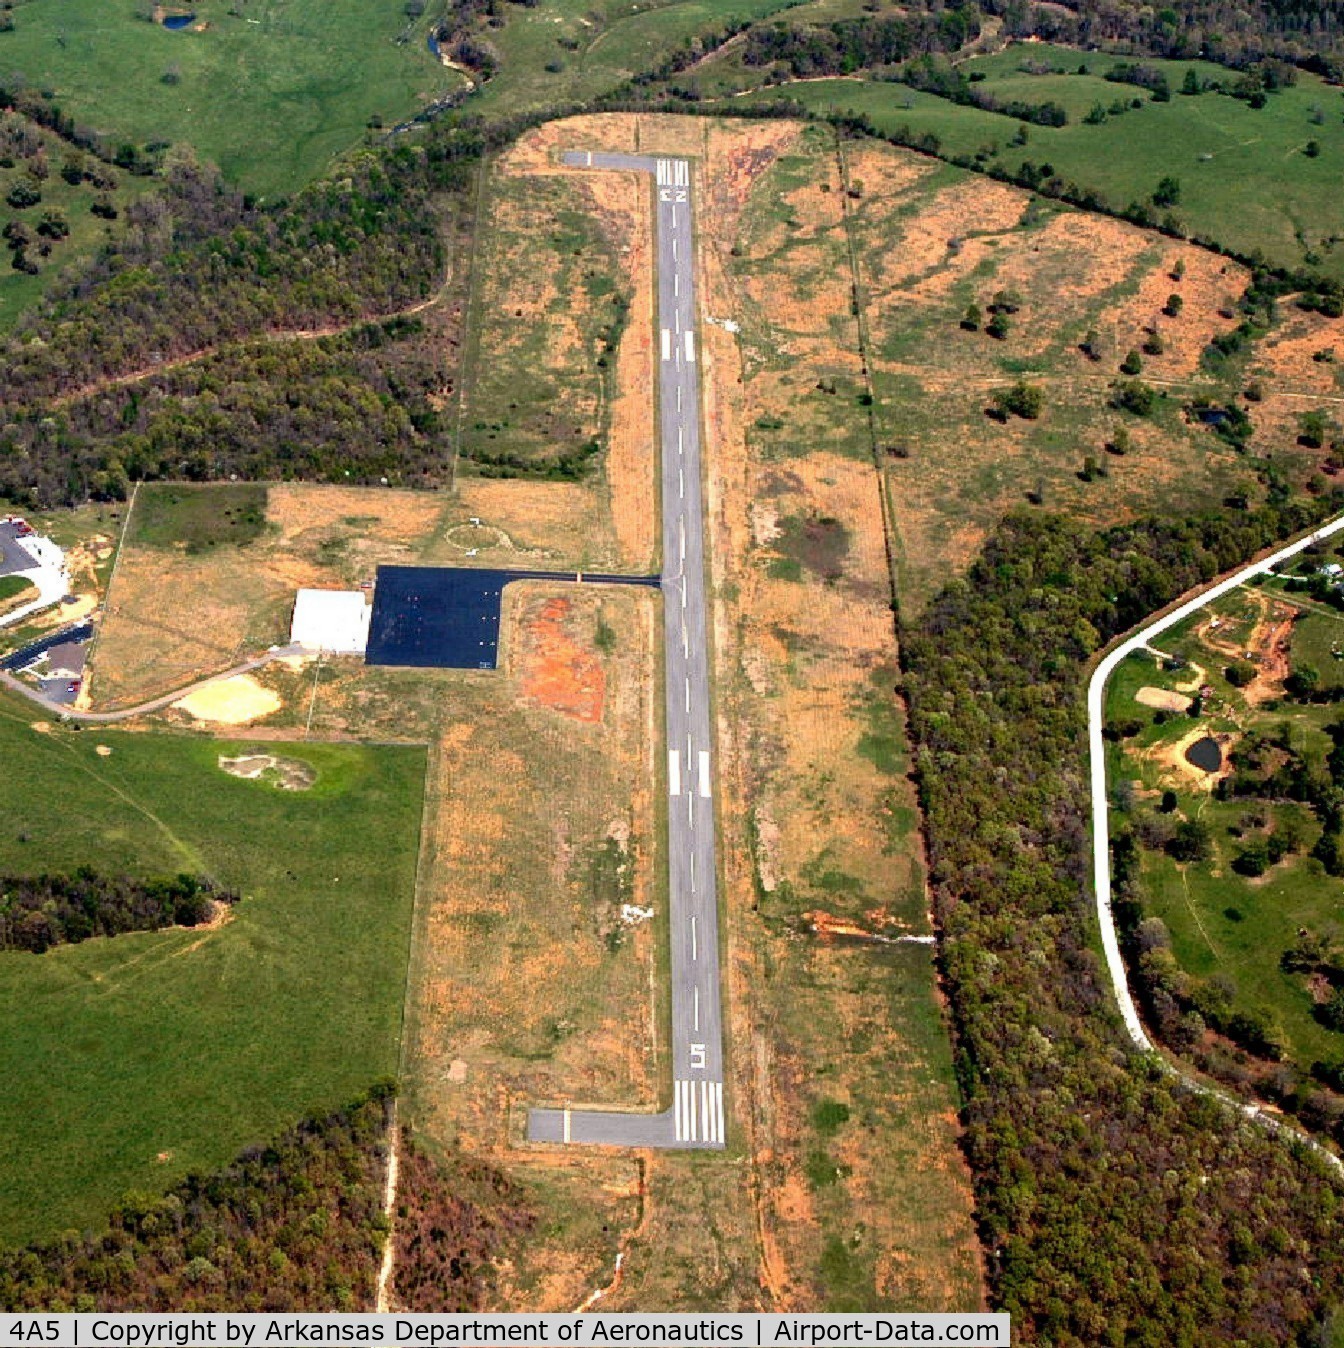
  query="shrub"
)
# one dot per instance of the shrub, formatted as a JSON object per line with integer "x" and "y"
{"x": 1021, "y": 400}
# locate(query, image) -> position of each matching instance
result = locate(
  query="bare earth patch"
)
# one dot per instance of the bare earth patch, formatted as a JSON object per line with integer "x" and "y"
{"x": 1162, "y": 699}
{"x": 234, "y": 701}
{"x": 287, "y": 774}
{"x": 555, "y": 669}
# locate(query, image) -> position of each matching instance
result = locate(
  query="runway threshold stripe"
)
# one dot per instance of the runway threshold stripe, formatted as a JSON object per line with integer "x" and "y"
{"x": 720, "y": 1135}
{"x": 706, "y": 1123}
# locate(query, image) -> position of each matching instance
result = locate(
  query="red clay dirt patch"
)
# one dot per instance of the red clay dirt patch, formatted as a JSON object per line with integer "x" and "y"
{"x": 557, "y": 671}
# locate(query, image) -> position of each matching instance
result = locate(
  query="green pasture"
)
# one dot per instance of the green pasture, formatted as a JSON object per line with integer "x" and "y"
{"x": 130, "y": 1061}
{"x": 271, "y": 90}
{"x": 169, "y": 515}
{"x": 564, "y": 51}
{"x": 1246, "y": 180}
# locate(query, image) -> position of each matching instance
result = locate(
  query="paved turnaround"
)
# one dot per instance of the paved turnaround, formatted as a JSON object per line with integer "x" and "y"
{"x": 696, "y": 1118}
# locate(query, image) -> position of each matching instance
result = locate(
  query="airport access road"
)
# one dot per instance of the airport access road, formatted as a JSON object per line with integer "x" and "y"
{"x": 697, "y": 1117}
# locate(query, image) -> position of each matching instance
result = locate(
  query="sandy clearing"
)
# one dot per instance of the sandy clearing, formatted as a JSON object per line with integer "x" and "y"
{"x": 234, "y": 701}
{"x": 1162, "y": 699}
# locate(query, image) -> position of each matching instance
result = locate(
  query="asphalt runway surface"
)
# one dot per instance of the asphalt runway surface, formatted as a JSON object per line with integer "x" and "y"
{"x": 697, "y": 1117}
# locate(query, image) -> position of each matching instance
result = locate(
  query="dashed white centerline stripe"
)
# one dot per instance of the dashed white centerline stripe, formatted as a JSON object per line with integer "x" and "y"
{"x": 695, "y": 1022}
{"x": 695, "y": 940}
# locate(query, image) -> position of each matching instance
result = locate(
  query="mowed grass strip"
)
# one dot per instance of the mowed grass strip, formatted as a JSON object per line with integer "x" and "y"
{"x": 128, "y": 1062}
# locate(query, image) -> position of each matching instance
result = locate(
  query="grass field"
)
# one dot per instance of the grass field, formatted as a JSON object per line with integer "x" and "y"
{"x": 1245, "y": 179}
{"x": 128, "y": 1062}
{"x": 551, "y": 307}
{"x": 197, "y": 519}
{"x": 930, "y": 240}
{"x": 270, "y": 90}
{"x": 565, "y": 51}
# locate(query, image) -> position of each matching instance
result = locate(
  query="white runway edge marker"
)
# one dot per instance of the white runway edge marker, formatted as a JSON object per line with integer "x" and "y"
{"x": 673, "y": 772}
{"x": 667, "y": 345}
{"x": 690, "y": 347}
{"x": 704, "y": 772}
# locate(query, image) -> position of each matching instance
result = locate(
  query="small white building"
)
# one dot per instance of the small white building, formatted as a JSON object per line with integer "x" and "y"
{"x": 336, "y": 621}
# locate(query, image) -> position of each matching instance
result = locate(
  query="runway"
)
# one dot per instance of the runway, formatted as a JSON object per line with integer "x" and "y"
{"x": 697, "y": 1115}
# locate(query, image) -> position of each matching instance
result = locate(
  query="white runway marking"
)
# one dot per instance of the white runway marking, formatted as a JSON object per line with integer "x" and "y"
{"x": 673, "y": 773}
{"x": 674, "y": 248}
{"x": 676, "y": 283}
{"x": 667, "y": 345}
{"x": 566, "y": 1125}
{"x": 681, "y": 430}
{"x": 690, "y": 346}
{"x": 678, "y": 1118}
{"x": 704, "y": 772}
{"x": 683, "y": 177}
{"x": 716, "y": 1089}
{"x": 678, "y": 397}
{"x": 695, "y": 1012}
{"x": 692, "y": 888}
{"x": 695, "y": 943}
{"x": 681, "y": 491}
{"x": 688, "y": 697}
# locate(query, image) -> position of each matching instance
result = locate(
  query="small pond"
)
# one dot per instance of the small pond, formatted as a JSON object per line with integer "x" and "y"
{"x": 1205, "y": 754}
{"x": 1212, "y": 416}
{"x": 176, "y": 21}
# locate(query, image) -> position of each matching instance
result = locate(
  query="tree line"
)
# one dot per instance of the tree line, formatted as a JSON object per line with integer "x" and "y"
{"x": 38, "y": 912}
{"x": 1115, "y": 1205}
{"x": 359, "y": 407}
{"x": 292, "y": 1224}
